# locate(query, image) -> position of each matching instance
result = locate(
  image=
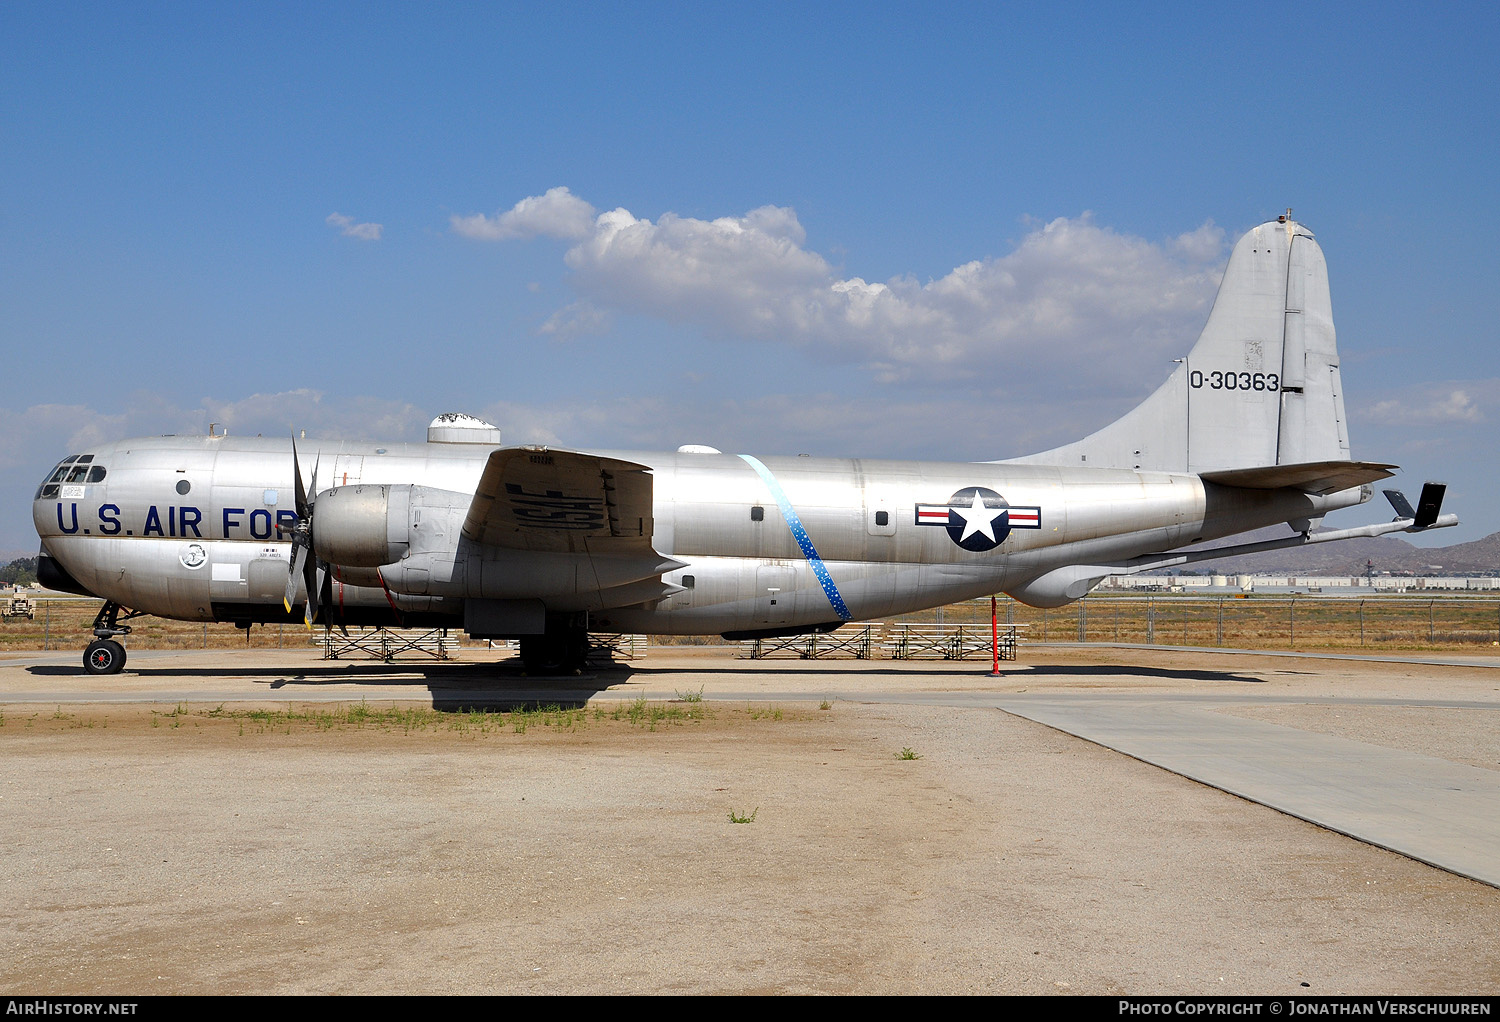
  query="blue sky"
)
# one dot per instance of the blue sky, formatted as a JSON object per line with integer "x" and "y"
{"x": 281, "y": 217}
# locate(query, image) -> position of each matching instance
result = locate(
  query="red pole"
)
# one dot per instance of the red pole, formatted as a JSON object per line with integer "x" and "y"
{"x": 994, "y": 639}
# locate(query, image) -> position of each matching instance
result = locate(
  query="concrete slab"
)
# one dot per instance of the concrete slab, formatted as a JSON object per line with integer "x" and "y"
{"x": 1434, "y": 810}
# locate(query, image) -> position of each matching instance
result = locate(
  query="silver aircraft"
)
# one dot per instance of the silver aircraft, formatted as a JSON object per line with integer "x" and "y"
{"x": 544, "y": 544}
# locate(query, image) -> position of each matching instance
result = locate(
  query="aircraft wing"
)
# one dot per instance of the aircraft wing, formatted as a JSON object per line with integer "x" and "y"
{"x": 1309, "y": 477}
{"x": 548, "y": 500}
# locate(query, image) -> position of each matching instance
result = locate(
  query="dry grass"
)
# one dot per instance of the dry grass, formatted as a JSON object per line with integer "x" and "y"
{"x": 68, "y": 624}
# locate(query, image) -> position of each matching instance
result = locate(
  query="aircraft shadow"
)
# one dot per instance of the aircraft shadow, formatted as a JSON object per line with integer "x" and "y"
{"x": 907, "y": 668}
{"x": 1115, "y": 670}
{"x": 505, "y": 686}
{"x": 454, "y": 687}
{"x": 824, "y": 668}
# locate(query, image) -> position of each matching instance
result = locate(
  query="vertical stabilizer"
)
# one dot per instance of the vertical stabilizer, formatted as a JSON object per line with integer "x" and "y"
{"x": 1261, "y": 386}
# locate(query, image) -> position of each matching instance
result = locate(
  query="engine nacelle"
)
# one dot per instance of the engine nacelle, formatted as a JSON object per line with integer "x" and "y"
{"x": 1059, "y": 587}
{"x": 362, "y": 526}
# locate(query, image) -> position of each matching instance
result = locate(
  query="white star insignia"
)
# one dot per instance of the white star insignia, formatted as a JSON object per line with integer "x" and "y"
{"x": 978, "y": 518}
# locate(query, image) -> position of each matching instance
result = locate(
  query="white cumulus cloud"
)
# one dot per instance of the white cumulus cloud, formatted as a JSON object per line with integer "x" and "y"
{"x": 350, "y": 229}
{"x": 1115, "y": 306}
{"x": 575, "y": 320}
{"x": 556, "y": 214}
{"x": 1451, "y": 403}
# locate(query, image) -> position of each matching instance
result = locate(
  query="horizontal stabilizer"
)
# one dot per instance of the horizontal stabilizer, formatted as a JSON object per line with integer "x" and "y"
{"x": 1316, "y": 477}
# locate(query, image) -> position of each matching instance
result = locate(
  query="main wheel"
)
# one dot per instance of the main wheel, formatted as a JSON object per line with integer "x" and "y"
{"x": 104, "y": 656}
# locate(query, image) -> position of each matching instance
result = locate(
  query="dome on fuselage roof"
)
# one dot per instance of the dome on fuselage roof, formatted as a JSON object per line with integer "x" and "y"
{"x": 458, "y": 428}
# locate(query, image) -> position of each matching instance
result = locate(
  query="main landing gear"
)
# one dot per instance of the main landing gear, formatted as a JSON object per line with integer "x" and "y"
{"x": 563, "y": 649}
{"x": 104, "y": 655}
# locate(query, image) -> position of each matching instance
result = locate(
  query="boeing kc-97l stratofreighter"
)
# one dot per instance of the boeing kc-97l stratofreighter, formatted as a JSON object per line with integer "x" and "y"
{"x": 544, "y": 544}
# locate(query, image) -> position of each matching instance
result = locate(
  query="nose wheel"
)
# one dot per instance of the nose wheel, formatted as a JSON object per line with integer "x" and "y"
{"x": 104, "y": 656}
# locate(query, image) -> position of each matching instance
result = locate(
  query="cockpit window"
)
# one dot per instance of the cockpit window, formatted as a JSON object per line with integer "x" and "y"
{"x": 75, "y": 468}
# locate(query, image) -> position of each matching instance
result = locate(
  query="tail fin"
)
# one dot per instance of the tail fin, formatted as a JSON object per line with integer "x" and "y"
{"x": 1260, "y": 388}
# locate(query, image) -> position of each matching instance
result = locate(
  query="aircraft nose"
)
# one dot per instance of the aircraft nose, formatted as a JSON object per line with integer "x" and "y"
{"x": 76, "y": 481}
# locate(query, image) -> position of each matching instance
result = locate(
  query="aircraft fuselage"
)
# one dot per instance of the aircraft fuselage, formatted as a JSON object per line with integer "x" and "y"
{"x": 186, "y": 527}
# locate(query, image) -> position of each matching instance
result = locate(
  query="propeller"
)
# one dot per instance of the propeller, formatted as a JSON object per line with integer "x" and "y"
{"x": 304, "y": 562}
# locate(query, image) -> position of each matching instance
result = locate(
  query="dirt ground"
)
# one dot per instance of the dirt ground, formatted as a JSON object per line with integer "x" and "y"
{"x": 165, "y": 848}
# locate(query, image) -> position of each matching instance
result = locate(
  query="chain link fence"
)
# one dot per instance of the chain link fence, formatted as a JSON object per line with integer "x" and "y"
{"x": 1244, "y": 622}
{"x": 1251, "y": 622}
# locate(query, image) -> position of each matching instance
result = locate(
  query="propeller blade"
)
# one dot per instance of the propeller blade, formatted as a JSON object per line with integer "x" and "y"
{"x": 304, "y": 562}
{"x": 302, "y": 505}
{"x": 335, "y": 607}
{"x": 298, "y": 556}
{"x": 311, "y": 575}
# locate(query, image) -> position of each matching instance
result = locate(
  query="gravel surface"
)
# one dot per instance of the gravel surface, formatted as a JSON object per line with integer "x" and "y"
{"x": 160, "y": 847}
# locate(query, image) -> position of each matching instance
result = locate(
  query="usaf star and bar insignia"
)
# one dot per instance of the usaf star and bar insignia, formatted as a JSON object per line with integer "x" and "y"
{"x": 978, "y": 519}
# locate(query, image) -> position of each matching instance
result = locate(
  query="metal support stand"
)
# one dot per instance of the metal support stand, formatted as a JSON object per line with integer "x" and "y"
{"x": 388, "y": 643}
{"x": 856, "y": 645}
{"x": 950, "y": 642}
{"x": 994, "y": 639}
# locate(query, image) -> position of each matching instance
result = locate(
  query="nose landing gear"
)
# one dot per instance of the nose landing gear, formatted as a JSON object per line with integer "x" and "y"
{"x": 104, "y": 655}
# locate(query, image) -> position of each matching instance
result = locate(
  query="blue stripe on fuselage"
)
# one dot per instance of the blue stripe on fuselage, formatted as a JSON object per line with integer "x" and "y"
{"x": 800, "y": 535}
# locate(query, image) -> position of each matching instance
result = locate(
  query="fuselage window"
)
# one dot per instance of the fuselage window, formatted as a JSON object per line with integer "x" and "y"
{"x": 689, "y": 581}
{"x": 96, "y": 474}
{"x": 757, "y": 513}
{"x": 882, "y": 518}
